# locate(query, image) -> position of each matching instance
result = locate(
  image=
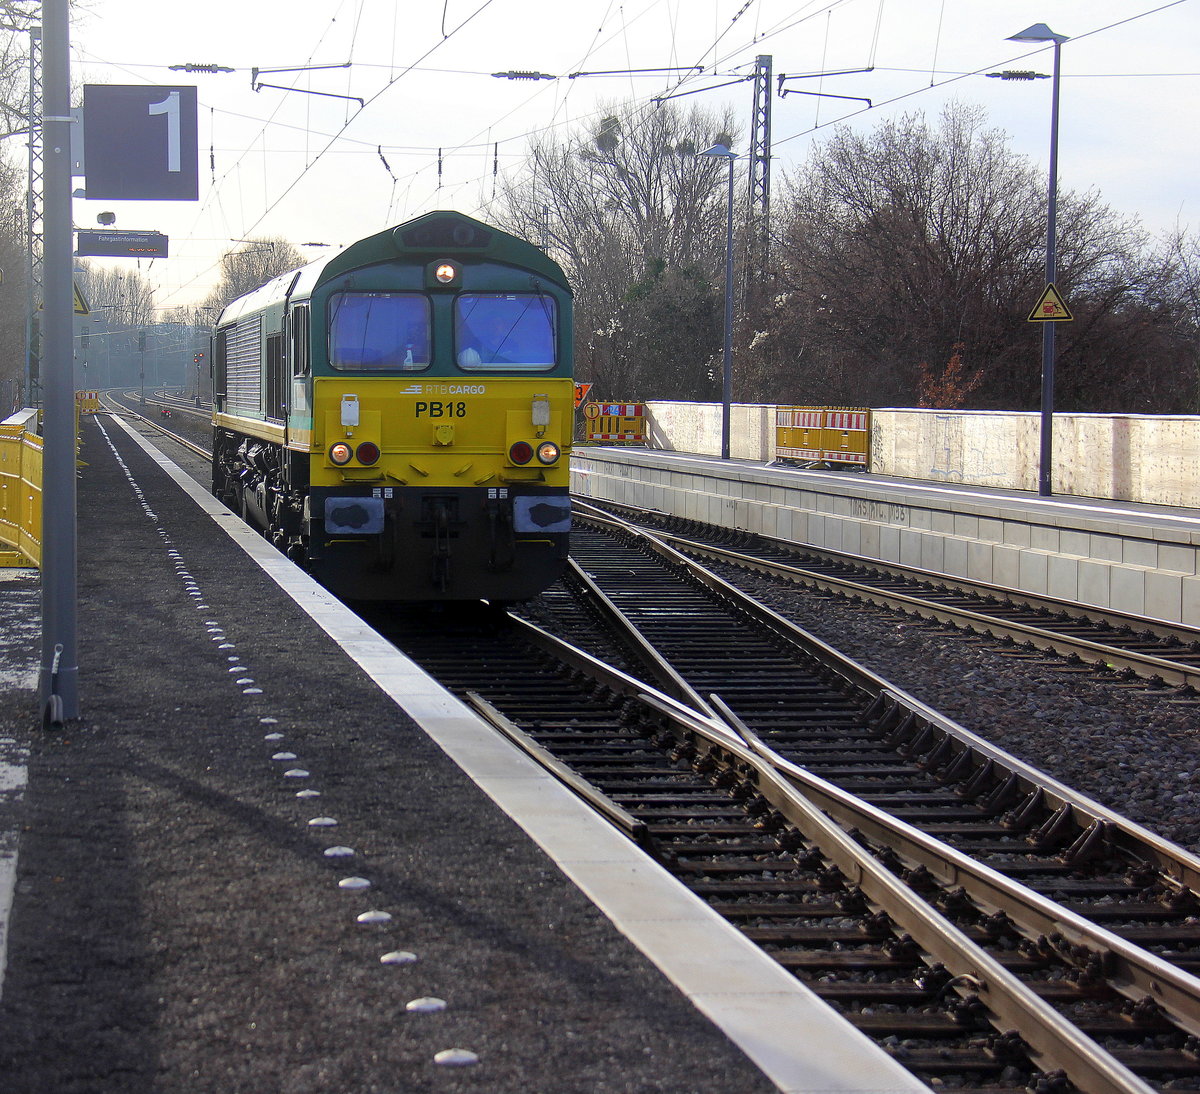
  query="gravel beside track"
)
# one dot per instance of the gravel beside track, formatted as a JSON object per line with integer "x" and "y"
{"x": 1133, "y": 748}
{"x": 177, "y": 926}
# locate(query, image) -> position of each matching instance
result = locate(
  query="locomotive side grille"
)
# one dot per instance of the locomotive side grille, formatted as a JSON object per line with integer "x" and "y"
{"x": 243, "y": 355}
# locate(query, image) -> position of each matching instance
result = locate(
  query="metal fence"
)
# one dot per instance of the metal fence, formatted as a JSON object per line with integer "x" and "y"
{"x": 20, "y": 490}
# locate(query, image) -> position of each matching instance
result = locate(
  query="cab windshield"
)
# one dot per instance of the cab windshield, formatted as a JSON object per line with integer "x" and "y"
{"x": 371, "y": 331}
{"x": 503, "y": 332}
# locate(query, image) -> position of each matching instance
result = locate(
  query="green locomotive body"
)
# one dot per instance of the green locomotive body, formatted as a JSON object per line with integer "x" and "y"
{"x": 398, "y": 417}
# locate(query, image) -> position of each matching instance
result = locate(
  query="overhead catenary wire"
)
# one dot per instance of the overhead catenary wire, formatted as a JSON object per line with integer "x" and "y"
{"x": 619, "y": 28}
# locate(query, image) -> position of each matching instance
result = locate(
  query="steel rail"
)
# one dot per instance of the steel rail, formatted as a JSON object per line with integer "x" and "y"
{"x": 665, "y": 674}
{"x": 927, "y": 731}
{"x": 634, "y": 828}
{"x": 1131, "y": 970}
{"x": 189, "y": 445}
{"x": 1148, "y": 665}
{"x": 183, "y": 407}
{"x": 1054, "y": 1042}
{"x": 1036, "y": 601}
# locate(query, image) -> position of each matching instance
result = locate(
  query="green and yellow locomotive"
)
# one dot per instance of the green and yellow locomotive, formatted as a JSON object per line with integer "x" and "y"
{"x": 397, "y": 418}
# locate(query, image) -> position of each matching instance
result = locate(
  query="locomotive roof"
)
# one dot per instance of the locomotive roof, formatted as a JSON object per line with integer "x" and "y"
{"x": 441, "y": 234}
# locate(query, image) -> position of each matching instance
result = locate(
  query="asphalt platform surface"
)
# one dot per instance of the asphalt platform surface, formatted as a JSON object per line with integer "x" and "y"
{"x": 177, "y": 925}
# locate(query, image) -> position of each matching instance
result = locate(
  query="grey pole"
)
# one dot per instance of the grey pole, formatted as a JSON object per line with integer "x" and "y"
{"x": 1047, "y": 446}
{"x": 59, "y": 677}
{"x": 1039, "y": 32}
{"x": 723, "y": 152}
{"x": 727, "y": 364}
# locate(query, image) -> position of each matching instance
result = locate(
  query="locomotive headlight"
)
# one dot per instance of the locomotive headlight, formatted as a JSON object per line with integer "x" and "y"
{"x": 547, "y": 452}
{"x": 521, "y": 452}
{"x": 340, "y": 453}
{"x": 446, "y": 272}
{"x": 367, "y": 453}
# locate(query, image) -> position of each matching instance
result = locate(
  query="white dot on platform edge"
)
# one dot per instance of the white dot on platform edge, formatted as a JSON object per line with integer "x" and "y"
{"x": 398, "y": 957}
{"x": 455, "y": 1057}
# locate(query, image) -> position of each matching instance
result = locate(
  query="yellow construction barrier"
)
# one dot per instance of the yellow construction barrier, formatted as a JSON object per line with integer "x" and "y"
{"x": 20, "y": 490}
{"x": 615, "y": 422}
{"x": 87, "y": 402}
{"x": 817, "y": 434}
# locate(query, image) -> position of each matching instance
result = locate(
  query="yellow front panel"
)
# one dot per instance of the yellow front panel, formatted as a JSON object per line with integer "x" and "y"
{"x": 441, "y": 432}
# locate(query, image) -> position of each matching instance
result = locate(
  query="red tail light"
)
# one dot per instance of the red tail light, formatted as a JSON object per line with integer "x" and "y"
{"x": 521, "y": 452}
{"x": 367, "y": 453}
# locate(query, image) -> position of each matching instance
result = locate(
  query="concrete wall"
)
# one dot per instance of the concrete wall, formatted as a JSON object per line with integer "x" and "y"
{"x": 696, "y": 427}
{"x": 1138, "y": 458}
{"x": 1138, "y": 561}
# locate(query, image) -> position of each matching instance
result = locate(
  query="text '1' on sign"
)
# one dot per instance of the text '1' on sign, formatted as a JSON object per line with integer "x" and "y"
{"x": 140, "y": 142}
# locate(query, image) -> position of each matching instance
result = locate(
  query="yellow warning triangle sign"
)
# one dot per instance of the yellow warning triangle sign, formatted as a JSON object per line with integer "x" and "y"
{"x": 80, "y": 306}
{"x": 1051, "y": 308}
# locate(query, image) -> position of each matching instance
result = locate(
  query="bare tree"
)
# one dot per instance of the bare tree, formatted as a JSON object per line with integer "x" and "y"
{"x": 12, "y": 285}
{"x": 17, "y": 17}
{"x": 904, "y": 242}
{"x": 248, "y": 267}
{"x": 120, "y": 297}
{"x": 636, "y": 219}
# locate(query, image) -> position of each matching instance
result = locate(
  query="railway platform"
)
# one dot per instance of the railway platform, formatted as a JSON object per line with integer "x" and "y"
{"x": 1133, "y": 558}
{"x": 272, "y": 855}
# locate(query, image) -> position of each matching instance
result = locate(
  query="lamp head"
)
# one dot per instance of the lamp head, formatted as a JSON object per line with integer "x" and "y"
{"x": 720, "y": 150}
{"x": 1039, "y": 32}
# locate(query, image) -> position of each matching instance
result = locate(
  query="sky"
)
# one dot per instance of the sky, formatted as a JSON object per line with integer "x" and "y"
{"x": 435, "y": 124}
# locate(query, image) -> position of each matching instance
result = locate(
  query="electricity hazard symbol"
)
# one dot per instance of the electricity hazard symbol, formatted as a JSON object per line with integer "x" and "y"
{"x": 80, "y": 305}
{"x": 1050, "y": 308}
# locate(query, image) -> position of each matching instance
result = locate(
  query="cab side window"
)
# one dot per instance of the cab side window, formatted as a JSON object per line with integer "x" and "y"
{"x": 299, "y": 337}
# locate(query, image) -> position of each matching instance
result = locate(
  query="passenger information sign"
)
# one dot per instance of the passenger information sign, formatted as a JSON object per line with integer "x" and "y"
{"x": 97, "y": 242}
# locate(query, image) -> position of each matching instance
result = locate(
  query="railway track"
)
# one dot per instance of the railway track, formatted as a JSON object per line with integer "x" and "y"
{"x": 991, "y": 928}
{"x": 118, "y": 405}
{"x": 1159, "y": 652}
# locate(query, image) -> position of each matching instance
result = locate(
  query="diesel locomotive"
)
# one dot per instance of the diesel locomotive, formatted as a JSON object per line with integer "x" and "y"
{"x": 397, "y": 418}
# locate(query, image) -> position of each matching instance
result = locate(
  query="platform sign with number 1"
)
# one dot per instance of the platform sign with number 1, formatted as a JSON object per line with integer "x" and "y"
{"x": 140, "y": 143}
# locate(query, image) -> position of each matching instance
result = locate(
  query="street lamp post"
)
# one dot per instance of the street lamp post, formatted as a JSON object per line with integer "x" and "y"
{"x": 722, "y": 151}
{"x": 1039, "y": 32}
